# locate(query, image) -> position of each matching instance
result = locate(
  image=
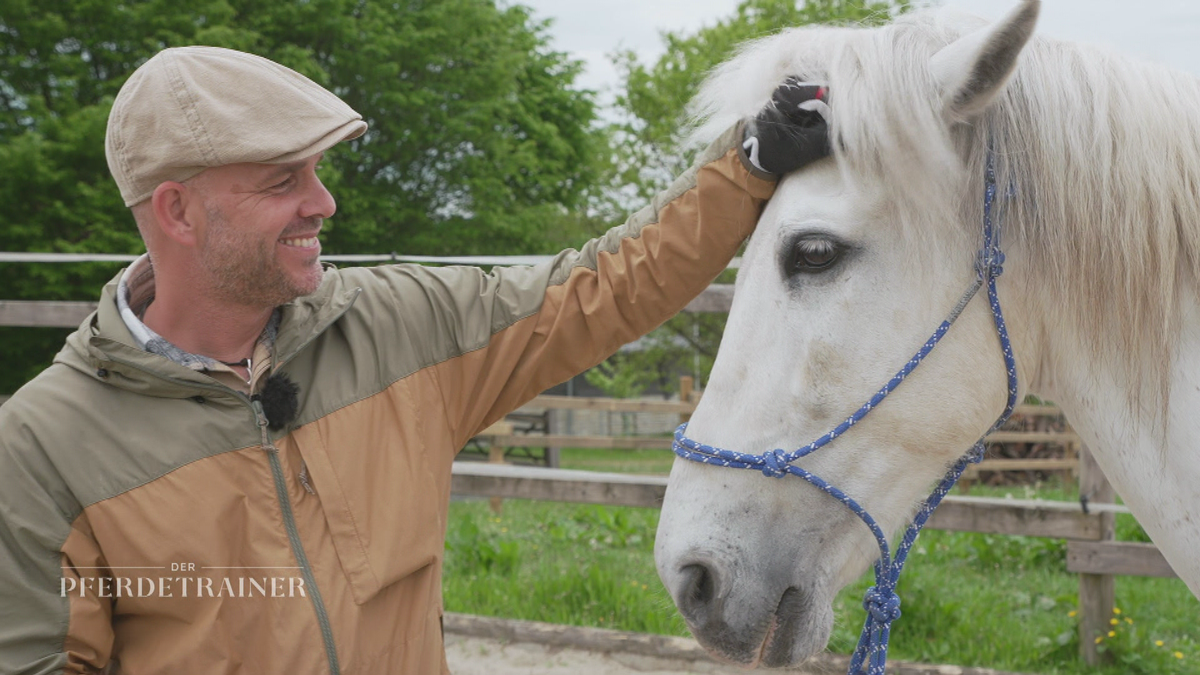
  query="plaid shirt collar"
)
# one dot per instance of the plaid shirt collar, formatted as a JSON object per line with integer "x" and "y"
{"x": 135, "y": 292}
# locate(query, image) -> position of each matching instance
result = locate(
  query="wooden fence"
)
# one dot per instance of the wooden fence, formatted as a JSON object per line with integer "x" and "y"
{"x": 520, "y": 433}
{"x": 1091, "y": 553}
{"x": 1089, "y": 529}
{"x": 69, "y": 314}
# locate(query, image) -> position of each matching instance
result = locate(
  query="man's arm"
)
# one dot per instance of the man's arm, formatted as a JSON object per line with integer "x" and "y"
{"x": 584, "y": 305}
{"x": 493, "y": 341}
{"x": 48, "y": 622}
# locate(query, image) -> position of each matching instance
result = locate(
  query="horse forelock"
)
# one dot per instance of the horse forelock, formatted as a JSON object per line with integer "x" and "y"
{"x": 1097, "y": 157}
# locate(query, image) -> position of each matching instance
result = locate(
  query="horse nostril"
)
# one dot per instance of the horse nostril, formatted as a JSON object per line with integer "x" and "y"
{"x": 699, "y": 589}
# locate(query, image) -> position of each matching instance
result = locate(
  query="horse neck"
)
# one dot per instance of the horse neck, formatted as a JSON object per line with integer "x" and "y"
{"x": 1151, "y": 459}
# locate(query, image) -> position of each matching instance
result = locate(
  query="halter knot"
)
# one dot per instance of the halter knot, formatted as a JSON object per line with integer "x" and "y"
{"x": 775, "y": 463}
{"x": 989, "y": 263}
{"x": 882, "y": 605}
{"x": 975, "y": 454}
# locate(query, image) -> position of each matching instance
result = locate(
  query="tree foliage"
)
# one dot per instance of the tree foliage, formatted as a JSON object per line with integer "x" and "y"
{"x": 653, "y": 105}
{"x": 477, "y": 141}
{"x": 649, "y": 152}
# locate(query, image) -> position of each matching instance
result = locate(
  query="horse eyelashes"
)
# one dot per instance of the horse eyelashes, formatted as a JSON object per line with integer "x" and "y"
{"x": 811, "y": 255}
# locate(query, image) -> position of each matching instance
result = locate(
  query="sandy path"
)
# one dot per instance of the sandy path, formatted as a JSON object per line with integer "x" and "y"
{"x": 489, "y": 656}
{"x": 478, "y": 645}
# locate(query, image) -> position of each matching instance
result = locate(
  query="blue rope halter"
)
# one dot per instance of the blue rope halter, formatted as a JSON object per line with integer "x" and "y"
{"x": 881, "y": 602}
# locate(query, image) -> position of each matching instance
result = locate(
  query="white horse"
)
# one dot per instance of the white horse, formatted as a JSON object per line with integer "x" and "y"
{"x": 857, "y": 259}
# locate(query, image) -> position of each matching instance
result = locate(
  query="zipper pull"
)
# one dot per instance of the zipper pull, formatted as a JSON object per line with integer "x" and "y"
{"x": 304, "y": 478}
{"x": 261, "y": 419}
{"x": 269, "y": 446}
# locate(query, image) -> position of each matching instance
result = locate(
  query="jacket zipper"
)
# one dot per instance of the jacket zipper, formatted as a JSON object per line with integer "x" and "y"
{"x": 285, "y": 504}
{"x": 293, "y": 533}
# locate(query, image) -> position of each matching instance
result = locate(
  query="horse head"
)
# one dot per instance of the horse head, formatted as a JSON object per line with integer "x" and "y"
{"x": 855, "y": 261}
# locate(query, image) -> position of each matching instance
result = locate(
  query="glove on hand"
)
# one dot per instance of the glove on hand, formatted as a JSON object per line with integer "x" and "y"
{"x": 791, "y": 131}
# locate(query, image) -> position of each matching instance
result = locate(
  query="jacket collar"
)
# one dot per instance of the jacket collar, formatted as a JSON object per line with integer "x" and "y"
{"x": 104, "y": 348}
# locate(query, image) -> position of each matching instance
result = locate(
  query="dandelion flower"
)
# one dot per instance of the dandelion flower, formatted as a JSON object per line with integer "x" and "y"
{"x": 1099, "y": 640}
{"x": 1116, "y": 610}
{"x": 1178, "y": 655}
{"x": 1129, "y": 621}
{"x": 1112, "y": 633}
{"x": 1158, "y": 643}
{"x": 1072, "y": 613}
{"x": 1113, "y": 622}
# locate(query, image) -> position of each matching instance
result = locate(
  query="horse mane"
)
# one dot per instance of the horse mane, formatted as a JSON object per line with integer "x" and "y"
{"x": 1099, "y": 155}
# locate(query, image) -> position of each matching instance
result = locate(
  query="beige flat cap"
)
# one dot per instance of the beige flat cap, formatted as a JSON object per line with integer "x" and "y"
{"x": 191, "y": 108}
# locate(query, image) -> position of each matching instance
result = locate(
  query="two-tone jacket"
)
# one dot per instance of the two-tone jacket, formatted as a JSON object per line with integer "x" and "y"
{"x": 150, "y": 522}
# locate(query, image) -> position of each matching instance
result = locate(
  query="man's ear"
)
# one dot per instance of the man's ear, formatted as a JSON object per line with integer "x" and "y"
{"x": 973, "y": 70}
{"x": 174, "y": 219}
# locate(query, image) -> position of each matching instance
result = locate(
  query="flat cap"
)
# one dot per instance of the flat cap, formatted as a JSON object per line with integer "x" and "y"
{"x": 191, "y": 108}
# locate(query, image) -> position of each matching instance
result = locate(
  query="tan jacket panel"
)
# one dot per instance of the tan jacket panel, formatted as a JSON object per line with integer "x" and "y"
{"x": 632, "y": 287}
{"x": 215, "y": 513}
{"x": 373, "y": 533}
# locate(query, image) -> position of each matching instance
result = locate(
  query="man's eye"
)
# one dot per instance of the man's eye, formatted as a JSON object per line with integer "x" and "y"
{"x": 285, "y": 183}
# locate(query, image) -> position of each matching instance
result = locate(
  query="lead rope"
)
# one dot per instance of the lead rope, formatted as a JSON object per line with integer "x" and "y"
{"x": 881, "y": 602}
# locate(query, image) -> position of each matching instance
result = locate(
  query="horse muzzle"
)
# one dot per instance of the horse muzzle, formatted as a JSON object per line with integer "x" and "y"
{"x": 775, "y": 626}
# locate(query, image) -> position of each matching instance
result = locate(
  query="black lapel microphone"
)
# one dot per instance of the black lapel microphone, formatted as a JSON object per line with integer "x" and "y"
{"x": 280, "y": 398}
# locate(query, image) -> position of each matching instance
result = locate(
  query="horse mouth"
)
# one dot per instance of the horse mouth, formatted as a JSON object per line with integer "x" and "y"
{"x": 792, "y": 622}
{"x": 776, "y": 649}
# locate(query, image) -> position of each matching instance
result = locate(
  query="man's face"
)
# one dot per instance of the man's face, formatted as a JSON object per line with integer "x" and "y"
{"x": 259, "y": 244}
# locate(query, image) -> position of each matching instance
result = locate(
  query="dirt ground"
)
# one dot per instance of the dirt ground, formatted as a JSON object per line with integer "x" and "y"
{"x": 477, "y": 645}
{"x": 489, "y": 656}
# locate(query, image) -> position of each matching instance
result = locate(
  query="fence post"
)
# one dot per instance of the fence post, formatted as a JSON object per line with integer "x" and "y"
{"x": 686, "y": 384}
{"x": 553, "y": 455}
{"x": 1071, "y": 451}
{"x": 496, "y": 456}
{"x": 1097, "y": 592}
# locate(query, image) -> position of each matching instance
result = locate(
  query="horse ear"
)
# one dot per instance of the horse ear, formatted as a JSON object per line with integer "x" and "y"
{"x": 973, "y": 69}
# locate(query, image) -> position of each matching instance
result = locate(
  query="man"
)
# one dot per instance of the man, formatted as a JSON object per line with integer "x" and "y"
{"x": 241, "y": 461}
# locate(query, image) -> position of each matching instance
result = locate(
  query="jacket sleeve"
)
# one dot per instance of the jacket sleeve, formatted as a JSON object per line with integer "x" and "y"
{"x": 495, "y": 340}
{"x": 47, "y": 625}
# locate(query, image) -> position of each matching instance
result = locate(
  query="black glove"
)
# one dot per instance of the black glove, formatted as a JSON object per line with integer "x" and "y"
{"x": 791, "y": 131}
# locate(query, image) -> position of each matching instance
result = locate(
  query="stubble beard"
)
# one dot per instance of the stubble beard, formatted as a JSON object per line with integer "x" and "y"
{"x": 244, "y": 270}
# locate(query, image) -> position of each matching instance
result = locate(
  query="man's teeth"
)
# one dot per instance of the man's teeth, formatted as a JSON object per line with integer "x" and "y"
{"x": 302, "y": 243}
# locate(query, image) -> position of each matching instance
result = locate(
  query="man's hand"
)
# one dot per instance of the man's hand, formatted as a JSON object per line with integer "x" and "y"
{"x": 791, "y": 131}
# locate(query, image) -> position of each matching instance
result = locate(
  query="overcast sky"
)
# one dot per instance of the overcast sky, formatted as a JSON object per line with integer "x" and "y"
{"x": 1166, "y": 31}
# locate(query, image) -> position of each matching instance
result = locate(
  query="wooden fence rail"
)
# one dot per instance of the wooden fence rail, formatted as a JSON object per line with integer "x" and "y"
{"x": 988, "y": 515}
{"x": 69, "y": 314}
{"x": 1119, "y": 558}
{"x": 1091, "y": 552}
{"x": 44, "y": 314}
{"x": 509, "y": 439}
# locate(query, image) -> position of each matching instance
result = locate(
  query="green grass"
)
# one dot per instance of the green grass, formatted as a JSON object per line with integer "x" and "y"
{"x": 617, "y": 461}
{"x": 969, "y": 599}
{"x": 562, "y": 563}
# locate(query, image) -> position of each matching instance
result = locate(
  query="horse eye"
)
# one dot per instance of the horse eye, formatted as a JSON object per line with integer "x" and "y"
{"x": 814, "y": 255}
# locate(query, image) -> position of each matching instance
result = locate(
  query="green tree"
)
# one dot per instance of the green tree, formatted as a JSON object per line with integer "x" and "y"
{"x": 648, "y": 149}
{"x": 477, "y": 143}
